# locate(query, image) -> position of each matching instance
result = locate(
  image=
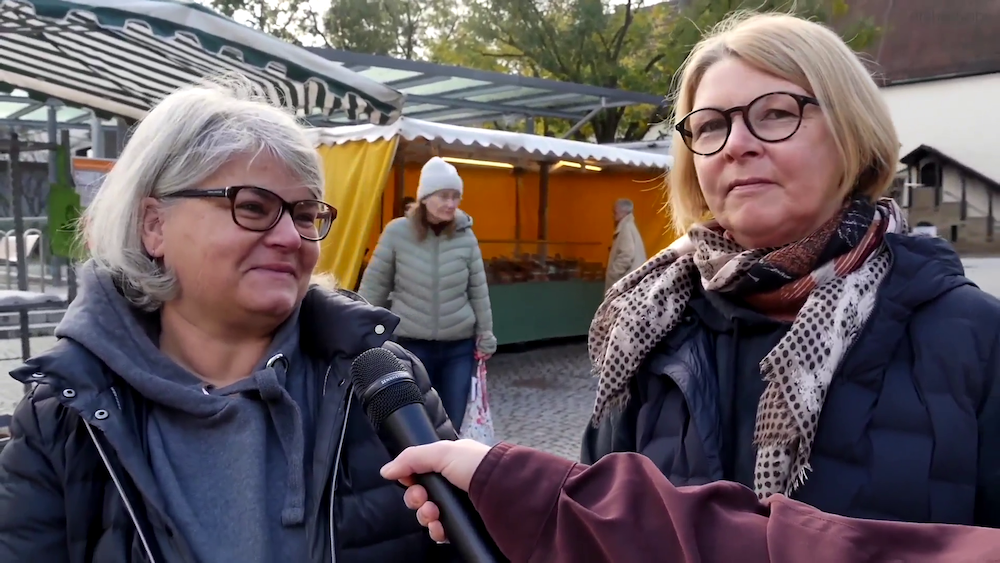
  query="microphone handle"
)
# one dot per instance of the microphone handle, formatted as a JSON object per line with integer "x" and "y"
{"x": 410, "y": 426}
{"x": 455, "y": 518}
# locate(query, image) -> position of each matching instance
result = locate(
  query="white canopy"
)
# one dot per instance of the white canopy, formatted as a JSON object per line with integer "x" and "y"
{"x": 535, "y": 147}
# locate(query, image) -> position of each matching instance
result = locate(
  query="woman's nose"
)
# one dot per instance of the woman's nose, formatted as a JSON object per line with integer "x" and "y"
{"x": 741, "y": 140}
{"x": 285, "y": 233}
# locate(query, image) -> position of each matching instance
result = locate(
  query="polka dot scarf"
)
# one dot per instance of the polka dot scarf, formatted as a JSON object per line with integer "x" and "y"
{"x": 826, "y": 283}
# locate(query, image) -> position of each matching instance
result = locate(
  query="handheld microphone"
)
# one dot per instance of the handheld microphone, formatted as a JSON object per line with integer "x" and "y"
{"x": 393, "y": 403}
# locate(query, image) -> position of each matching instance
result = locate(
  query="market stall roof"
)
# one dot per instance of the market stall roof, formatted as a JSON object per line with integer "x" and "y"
{"x": 18, "y": 109}
{"x": 455, "y": 137}
{"x": 119, "y": 57}
{"x": 451, "y": 94}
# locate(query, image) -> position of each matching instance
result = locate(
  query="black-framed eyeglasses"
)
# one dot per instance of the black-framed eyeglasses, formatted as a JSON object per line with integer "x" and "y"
{"x": 772, "y": 118}
{"x": 259, "y": 210}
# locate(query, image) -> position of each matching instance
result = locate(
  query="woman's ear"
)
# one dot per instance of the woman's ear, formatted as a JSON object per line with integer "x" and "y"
{"x": 152, "y": 227}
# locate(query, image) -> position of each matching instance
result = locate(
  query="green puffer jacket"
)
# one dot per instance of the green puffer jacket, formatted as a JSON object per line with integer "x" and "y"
{"x": 438, "y": 285}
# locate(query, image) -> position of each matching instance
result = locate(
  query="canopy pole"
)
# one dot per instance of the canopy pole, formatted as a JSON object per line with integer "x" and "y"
{"x": 121, "y": 135}
{"x": 399, "y": 184}
{"x": 96, "y": 136}
{"x": 518, "y": 184}
{"x": 64, "y": 141}
{"x": 17, "y": 196}
{"x": 55, "y": 262}
{"x": 579, "y": 124}
{"x": 543, "y": 211}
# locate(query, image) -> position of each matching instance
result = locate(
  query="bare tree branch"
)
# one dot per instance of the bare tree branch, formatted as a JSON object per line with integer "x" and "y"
{"x": 620, "y": 36}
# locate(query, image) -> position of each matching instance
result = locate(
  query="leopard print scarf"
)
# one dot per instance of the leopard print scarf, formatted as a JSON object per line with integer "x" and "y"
{"x": 829, "y": 280}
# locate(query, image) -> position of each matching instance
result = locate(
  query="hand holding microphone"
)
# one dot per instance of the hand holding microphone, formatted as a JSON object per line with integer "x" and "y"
{"x": 395, "y": 406}
{"x": 455, "y": 461}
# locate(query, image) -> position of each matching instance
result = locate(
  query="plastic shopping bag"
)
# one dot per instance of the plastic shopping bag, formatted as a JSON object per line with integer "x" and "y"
{"x": 478, "y": 422}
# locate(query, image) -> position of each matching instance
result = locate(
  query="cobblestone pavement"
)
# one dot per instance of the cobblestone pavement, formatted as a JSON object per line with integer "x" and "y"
{"x": 542, "y": 397}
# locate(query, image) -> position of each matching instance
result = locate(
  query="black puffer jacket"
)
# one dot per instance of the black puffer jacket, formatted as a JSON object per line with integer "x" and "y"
{"x": 75, "y": 481}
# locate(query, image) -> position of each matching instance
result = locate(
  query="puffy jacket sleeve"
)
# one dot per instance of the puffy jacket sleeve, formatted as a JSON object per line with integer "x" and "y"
{"x": 479, "y": 298}
{"x": 32, "y": 507}
{"x": 377, "y": 281}
{"x": 432, "y": 402}
{"x": 539, "y": 507}
{"x": 988, "y": 475}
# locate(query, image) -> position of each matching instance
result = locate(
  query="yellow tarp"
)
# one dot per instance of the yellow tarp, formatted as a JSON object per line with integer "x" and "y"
{"x": 356, "y": 174}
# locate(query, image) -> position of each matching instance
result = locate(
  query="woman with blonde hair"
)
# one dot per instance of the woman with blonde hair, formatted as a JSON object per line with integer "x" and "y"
{"x": 198, "y": 406}
{"x": 798, "y": 342}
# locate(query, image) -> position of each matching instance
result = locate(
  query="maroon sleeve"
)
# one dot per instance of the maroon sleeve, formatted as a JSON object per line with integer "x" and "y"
{"x": 539, "y": 507}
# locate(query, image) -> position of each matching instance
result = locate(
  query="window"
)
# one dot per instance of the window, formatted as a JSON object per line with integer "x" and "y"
{"x": 930, "y": 174}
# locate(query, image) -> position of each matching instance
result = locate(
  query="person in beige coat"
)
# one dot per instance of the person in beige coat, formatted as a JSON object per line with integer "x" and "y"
{"x": 627, "y": 251}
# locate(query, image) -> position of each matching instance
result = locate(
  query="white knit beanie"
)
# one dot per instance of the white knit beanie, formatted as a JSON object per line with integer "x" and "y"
{"x": 438, "y": 175}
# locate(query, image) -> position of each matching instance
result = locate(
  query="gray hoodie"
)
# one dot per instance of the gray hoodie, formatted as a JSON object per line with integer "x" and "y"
{"x": 229, "y": 461}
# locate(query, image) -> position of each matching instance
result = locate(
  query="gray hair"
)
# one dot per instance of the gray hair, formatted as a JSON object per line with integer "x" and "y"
{"x": 189, "y": 136}
{"x": 625, "y": 205}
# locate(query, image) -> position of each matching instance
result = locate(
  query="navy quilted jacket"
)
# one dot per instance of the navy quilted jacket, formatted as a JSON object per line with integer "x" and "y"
{"x": 910, "y": 429}
{"x": 75, "y": 486}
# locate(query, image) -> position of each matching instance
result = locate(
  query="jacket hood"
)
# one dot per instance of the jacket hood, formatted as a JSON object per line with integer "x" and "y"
{"x": 102, "y": 322}
{"x": 924, "y": 268}
{"x": 462, "y": 220}
{"x": 624, "y": 222}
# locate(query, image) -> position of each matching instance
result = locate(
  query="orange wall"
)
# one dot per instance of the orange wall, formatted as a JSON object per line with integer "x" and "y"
{"x": 580, "y": 208}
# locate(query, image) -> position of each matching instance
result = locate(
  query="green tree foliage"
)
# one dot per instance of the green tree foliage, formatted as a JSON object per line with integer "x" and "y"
{"x": 399, "y": 28}
{"x": 362, "y": 26}
{"x": 636, "y": 45}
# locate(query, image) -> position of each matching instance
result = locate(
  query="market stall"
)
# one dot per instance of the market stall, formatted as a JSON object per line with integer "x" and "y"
{"x": 542, "y": 210}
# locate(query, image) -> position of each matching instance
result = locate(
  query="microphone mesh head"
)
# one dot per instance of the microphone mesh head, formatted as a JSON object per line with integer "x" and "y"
{"x": 367, "y": 369}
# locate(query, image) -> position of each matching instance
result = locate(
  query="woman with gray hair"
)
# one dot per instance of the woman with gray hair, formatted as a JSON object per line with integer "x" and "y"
{"x": 197, "y": 406}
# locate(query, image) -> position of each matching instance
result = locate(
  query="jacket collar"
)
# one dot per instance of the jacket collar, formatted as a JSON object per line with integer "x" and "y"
{"x": 930, "y": 260}
{"x": 625, "y": 220}
{"x": 342, "y": 323}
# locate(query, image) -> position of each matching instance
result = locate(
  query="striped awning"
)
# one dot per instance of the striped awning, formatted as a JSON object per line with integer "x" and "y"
{"x": 119, "y": 57}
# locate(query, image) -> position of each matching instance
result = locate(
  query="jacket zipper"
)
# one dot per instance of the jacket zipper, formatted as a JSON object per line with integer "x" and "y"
{"x": 135, "y": 519}
{"x": 436, "y": 299}
{"x": 336, "y": 469}
{"x": 336, "y": 462}
{"x": 121, "y": 491}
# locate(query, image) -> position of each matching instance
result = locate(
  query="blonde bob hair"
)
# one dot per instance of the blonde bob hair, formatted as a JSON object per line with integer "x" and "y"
{"x": 189, "y": 136}
{"x": 813, "y": 57}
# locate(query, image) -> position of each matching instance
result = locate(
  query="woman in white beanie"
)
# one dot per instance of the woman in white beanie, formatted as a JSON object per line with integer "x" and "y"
{"x": 430, "y": 262}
